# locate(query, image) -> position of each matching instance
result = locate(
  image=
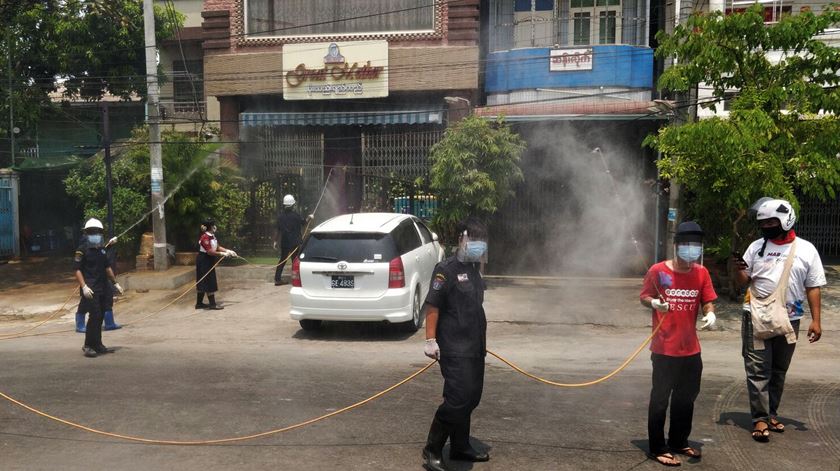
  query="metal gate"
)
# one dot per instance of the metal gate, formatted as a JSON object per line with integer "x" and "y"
{"x": 294, "y": 151}
{"x": 9, "y": 245}
{"x": 819, "y": 223}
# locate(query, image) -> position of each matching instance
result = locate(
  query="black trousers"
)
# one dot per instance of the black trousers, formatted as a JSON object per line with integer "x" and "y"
{"x": 284, "y": 254}
{"x": 463, "y": 383}
{"x": 96, "y": 308}
{"x": 675, "y": 379}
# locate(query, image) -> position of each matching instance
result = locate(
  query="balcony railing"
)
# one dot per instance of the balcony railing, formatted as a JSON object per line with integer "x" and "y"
{"x": 183, "y": 110}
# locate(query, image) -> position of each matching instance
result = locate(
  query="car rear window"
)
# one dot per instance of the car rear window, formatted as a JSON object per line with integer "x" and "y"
{"x": 353, "y": 247}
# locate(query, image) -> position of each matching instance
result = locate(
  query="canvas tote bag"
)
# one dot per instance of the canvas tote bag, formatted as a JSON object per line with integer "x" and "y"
{"x": 769, "y": 314}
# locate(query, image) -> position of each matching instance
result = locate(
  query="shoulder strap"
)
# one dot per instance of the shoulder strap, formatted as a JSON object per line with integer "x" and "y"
{"x": 783, "y": 281}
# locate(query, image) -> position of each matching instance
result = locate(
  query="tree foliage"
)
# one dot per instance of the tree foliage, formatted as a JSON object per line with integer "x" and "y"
{"x": 93, "y": 46}
{"x": 780, "y": 138}
{"x": 201, "y": 189}
{"x": 475, "y": 168}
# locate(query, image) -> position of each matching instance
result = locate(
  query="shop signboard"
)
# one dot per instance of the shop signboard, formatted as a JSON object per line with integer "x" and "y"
{"x": 335, "y": 70}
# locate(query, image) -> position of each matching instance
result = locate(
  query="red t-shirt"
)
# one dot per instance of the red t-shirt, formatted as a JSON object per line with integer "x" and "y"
{"x": 685, "y": 294}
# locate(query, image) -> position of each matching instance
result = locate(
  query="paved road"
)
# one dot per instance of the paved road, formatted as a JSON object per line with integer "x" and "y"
{"x": 248, "y": 368}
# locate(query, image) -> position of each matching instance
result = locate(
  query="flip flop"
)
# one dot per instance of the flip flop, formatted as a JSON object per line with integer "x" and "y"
{"x": 689, "y": 452}
{"x": 776, "y": 426}
{"x": 761, "y": 435}
{"x": 666, "y": 459}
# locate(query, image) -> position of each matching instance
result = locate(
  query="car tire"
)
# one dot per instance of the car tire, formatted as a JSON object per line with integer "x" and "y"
{"x": 310, "y": 324}
{"x": 417, "y": 314}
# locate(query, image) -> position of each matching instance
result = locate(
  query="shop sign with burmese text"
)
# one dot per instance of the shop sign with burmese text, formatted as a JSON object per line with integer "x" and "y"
{"x": 335, "y": 70}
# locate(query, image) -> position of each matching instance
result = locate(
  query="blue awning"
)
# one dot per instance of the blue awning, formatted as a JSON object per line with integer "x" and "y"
{"x": 415, "y": 115}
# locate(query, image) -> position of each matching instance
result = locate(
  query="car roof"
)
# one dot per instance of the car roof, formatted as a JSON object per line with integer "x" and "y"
{"x": 363, "y": 222}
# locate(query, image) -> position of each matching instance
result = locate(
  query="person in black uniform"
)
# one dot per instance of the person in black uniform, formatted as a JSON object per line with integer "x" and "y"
{"x": 93, "y": 272}
{"x": 456, "y": 331}
{"x": 108, "y": 316}
{"x": 287, "y": 235}
{"x": 205, "y": 261}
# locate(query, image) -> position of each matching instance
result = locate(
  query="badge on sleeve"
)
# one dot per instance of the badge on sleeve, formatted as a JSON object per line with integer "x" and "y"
{"x": 78, "y": 256}
{"x": 439, "y": 282}
{"x": 462, "y": 277}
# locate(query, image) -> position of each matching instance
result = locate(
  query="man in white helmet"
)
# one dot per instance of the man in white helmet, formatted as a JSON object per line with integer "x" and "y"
{"x": 768, "y": 353}
{"x": 287, "y": 235}
{"x": 93, "y": 271}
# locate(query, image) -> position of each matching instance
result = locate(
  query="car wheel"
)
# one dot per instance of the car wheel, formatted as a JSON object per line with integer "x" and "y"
{"x": 310, "y": 324}
{"x": 416, "y": 314}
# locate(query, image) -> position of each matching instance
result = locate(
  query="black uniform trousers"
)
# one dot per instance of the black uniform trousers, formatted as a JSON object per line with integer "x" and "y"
{"x": 676, "y": 379}
{"x": 463, "y": 383}
{"x": 284, "y": 255}
{"x": 96, "y": 307}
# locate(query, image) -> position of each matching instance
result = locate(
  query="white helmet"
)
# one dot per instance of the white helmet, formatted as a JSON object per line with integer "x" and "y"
{"x": 779, "y": 209}
{"x": 288, "y": 200}
{"x": 94, "y": 223}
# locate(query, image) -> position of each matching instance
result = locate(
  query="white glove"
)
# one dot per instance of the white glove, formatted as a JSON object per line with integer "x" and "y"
{"x": 659, "y": 305}
{"x": 709, "y": 320}
{"x": 112, "y": 241}
{"x": 431, "y": 349}
{"x": 119, "y": 288}
{"x": 231, "y": 253}
{"x": 87, "y": 292}
{"x": 310, "y": 217}
{"x": 274, "y": 245}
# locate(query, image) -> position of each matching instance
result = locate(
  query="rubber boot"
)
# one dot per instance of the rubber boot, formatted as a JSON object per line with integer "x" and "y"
{"x": 433, "y": 451}
{"x": 80, "y": 322}
{"x": 109, "y": 323}
{"x": 460, "y": 448}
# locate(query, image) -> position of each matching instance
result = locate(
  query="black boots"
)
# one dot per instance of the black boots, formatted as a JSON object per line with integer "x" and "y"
{"x": 433, "y": 452}
{"x": 460, "y": 448}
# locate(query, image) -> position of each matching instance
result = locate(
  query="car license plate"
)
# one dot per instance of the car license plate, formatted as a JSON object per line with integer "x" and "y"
{"x": 342, "y": 281}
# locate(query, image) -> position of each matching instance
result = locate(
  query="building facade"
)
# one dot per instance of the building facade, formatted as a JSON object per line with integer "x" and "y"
{"x": 344, "y": 92}
{"x": 575, "y": 79}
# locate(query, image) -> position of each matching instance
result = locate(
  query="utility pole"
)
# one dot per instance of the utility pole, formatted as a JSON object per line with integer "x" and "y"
{"x": 155, "y": 154}
{"x": 11, "y": 100}
{"x": 106, "y": 143}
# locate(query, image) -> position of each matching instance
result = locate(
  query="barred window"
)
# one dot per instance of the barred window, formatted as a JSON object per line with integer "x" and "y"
{"x": 337, "y": 17}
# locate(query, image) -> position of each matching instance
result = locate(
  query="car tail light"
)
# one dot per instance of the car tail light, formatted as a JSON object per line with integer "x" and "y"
{"x": 396, "y": 274}
{"x": 296, "y": 273}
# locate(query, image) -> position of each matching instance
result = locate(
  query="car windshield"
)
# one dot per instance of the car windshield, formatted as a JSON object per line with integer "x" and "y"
{"x": 353, "y": 247}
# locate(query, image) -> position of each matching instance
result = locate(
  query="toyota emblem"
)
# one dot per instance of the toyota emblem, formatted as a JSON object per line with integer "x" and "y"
{"x": 342, "y": 266}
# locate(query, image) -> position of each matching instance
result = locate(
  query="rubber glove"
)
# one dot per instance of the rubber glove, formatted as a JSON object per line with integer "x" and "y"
{"x": 119, "y": 288}
{"x": 709, "y": 320}
{"x": 111, "y": 242}
{"x": 87, "y": 292}
{"x": 659, "y": 305}
{"x": 231, "y": 253}
{"x": 431, "y": 349}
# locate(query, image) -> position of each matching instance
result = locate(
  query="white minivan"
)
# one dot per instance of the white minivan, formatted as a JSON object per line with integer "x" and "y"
{"x": 364, "y": 267}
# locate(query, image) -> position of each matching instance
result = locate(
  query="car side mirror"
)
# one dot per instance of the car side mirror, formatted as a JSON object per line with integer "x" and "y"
{"x": 434, "y": 237}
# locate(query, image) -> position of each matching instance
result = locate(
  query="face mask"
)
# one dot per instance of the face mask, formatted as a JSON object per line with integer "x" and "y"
{"x": 689, "y": 253}
{"x": 772, "y": 232}
{"x": 474, "y": 250}
{"x": 94, "y": 239}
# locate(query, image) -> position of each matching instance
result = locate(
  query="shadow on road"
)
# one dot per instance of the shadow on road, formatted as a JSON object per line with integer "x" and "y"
{"x": 355, "y": 332}
{"x": 744, "y": 420}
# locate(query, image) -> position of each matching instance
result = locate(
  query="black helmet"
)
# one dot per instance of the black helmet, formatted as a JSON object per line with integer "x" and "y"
{"x": 208, "y": 223}
{"x": 688, "y": 231}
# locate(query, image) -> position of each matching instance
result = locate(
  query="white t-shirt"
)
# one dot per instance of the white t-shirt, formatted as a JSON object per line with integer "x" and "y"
{"x": 806, "y": 272}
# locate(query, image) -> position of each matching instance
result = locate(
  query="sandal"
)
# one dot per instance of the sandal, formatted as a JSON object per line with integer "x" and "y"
{"x": 667, "y": 459}
{"x": 689, "y": 452}
{"x": 761, "y": 434}
{"x": 776, "y": 426}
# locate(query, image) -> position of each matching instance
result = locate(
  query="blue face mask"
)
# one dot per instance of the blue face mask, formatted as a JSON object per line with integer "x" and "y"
{"x": 474, "y": 250}
{"x": 94, "y": 239}
{"x": 689, "y": 253}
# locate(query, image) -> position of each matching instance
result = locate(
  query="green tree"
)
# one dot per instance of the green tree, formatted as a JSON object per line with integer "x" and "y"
{"x": 781, "y": 135}
{"x": 199, "y": 186}
{"x": 93, "y": 46}
{"x": 475, "y": 168}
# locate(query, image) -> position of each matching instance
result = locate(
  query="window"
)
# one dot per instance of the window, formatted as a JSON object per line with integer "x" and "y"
{"x": 606, "y": 27}
{"x": 187, "y": 85}
{"x": 581, "y": 29}
{"x": 541, "y": 5}
{"x": 406, "y": 237}
{"x": 425, "y": 233}
{"x": 337, "y": 17}
{"x": 353, "y": 247}
{"x": 585, "y": 30}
